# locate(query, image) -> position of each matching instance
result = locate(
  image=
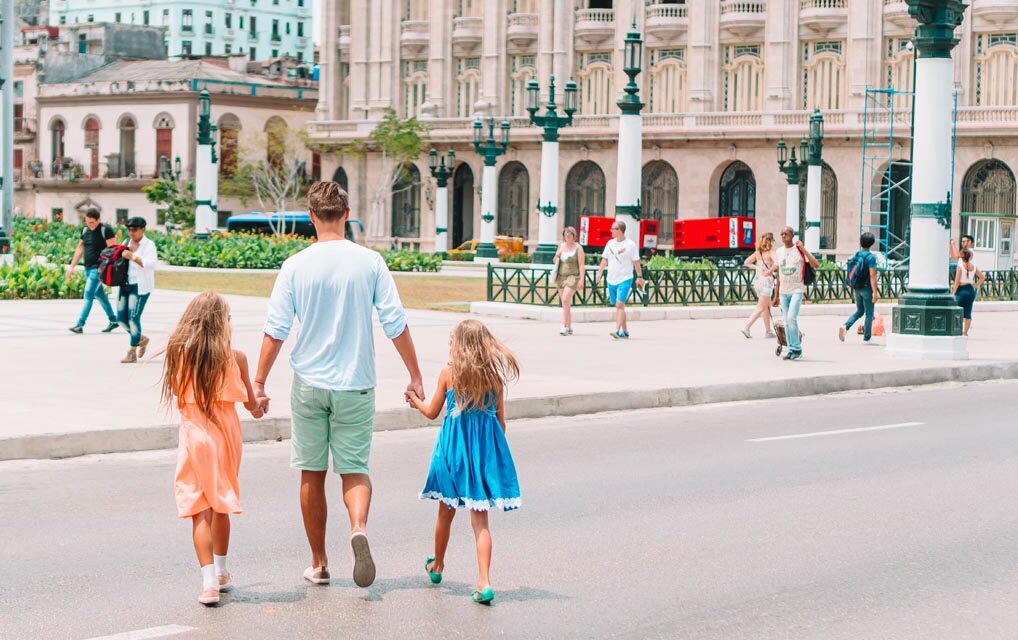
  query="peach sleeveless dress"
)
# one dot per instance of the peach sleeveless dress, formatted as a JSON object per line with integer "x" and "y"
{"x": 208, "y": 455}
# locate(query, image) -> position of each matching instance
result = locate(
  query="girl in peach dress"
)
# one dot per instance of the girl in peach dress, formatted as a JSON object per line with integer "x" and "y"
{"x": 204, "y": 376}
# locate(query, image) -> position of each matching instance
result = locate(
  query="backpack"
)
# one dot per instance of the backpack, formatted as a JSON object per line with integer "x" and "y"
{"x": 809, "y": 274}
{"x": 857, "y": 272}
{"x": 113, "y": 266}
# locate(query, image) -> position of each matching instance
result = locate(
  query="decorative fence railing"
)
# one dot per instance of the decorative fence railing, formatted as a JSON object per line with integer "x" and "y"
{"x": 722, "y": 286}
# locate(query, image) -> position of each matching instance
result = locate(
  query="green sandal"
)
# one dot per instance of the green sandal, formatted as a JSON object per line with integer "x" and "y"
{"x": 435, "y": 577}
{"x": 483, "y": 596}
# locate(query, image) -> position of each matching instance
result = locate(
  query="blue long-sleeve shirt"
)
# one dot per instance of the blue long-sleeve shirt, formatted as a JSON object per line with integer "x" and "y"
{"x": 331, "y": 288}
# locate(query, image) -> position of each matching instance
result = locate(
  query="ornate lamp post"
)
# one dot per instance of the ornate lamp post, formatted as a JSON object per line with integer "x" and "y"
{"x": 926, "y": 321}
{"x": 627, "y": 192}
{"x": 491, "y": 150}
{"x": 441, "y": 171}
{"x": 206, "y": 175}
{"x": 793, "y": 169}
{"x": 811, "y": 235}
{"x": 6, "y": 129}
{"x": 547, "y": 204}
{"x": 167, "y": 173}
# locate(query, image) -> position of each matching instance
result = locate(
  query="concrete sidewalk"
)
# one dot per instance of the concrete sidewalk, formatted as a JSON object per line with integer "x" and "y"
{"x": 63, "y": 394}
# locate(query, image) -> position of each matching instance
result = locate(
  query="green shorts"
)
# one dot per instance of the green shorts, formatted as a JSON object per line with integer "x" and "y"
{"x": 324, "y": 420}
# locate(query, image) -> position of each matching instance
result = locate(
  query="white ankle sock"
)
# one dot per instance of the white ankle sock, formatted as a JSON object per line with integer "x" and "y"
{"x": 220, "y": 564}
{"x": 208, "y": 577}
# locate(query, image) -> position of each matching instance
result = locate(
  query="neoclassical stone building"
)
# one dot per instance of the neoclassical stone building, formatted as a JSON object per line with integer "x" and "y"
{"x": 723, "y": 81}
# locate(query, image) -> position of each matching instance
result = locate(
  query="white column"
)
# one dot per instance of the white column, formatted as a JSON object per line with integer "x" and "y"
{"x": 7, "y": 126}
{"x": 792, "y": 208}
{"x": 204, "y": 190}
{"x": 488, "y": 186}
{"x": 442, "y": 219}
{"x": 811, "y": 234}
{"x": 548, "y": 228}
{"x": 627, "y": 189}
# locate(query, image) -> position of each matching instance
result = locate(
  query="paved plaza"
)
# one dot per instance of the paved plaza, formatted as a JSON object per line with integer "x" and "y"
{"x": 66, "y": 394}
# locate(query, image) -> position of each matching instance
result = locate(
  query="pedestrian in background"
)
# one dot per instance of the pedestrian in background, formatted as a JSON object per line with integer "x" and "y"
{"x": 569, "y": 275}
{"x": 471, "y": 466}
{"x": 204, "y": 377}
{"x": 792, "y": 258}
{"x": 95, "y": 237}
{"x": 967, "y": 280}
{"x": 862, "y": 277}
{"x": 621, "y": 257}
{"x": 763, "y": 283}
{"x": 141, "y": 280}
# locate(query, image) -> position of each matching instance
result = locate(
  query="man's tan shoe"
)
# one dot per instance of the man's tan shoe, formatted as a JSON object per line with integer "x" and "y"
{"x": 132, "y": 356}
{"x": 225, "y": 582}
{"x": 142, "y": 346}
{"x": 209, "y": 596}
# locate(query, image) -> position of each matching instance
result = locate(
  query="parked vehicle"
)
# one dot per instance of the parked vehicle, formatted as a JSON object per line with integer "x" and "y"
{"x": 295, "y": 222}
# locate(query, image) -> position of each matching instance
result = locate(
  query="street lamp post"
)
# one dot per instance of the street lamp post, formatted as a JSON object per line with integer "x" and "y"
{"x": 627, "y": 192}
{"x": 927, "y": 323}
{"x": 491, "y": 150}
{"x": 169, "y": 173}
{"x": 6, "y": 129}
{"x": 441, "y": 171}
{"x": 811, "y": 235}
{"x": 793, "y": 169}
{"x": 547, "y": 204}
{"x": 206, "y": 176}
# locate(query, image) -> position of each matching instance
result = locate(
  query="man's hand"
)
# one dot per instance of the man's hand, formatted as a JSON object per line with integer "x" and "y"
{"x": 415, "y": 389}
{"x": 876, "y": 297}
{"x": 68, "y": 273}
{"x": 640, "y": 282}
{"x": 261, "y": 397}
{"x": 798, "y": 243}
{"x": 128, "y": 254}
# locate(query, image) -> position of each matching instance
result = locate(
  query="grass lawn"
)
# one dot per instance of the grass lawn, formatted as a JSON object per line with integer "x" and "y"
{"x": 417, "y": 292}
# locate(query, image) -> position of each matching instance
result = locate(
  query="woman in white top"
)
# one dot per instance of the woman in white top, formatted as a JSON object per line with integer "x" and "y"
{"x": 967, "y": 280}
{"x": 570, "y": 273}
{"x": 141, "y": 279}
{"x": 763, "y": 284}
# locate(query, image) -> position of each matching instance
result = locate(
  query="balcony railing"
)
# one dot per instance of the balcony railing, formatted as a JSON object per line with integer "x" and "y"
{"x": 595, "y": 15}
{"x": 666, "y": 11}
{"x": 24, "y": 125}
{"x": 738, "y": 6}
{"x": 522, "y": 20}
{"x": 822, "y": 4}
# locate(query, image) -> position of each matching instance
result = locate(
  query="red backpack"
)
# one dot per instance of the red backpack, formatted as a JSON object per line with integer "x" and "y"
{"x": 113, "y": 266}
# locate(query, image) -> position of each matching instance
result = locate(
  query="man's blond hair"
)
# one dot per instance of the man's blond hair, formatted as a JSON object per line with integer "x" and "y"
{"x": 328, "y": 201}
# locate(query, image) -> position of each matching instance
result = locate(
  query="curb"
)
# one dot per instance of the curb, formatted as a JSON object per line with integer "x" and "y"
{"x": 165, "y": 436}
{"x": 639, "y": 313}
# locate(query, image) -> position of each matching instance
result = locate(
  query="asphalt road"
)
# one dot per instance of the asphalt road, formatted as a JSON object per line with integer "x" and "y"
{"x": 683, "y": 523}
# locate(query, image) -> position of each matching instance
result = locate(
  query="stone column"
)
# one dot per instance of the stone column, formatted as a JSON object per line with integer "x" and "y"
{"x": 328, "y": 69}
{"x": 442, "y": 216}
{"x": 781, "y": 55}
{"x": 703, "y": 69}
{"x": 630, "y": 155}
{"x": 439, "y": 56}
{"x": 486, "y": 251}
{"x": 792, "y": 204}
{"x": 927, "y": 323}
{"x": 360, "y": 51}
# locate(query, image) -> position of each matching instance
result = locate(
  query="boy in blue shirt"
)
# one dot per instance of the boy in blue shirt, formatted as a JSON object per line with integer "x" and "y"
{"x": 864, "y": 264}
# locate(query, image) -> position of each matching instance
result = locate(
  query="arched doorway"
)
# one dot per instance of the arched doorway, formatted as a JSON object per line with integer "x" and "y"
{"x": 229, "y": 138}
{"x": 127, "y": 127}
{"x": 660, "y": 198}
{"x": 828, "y": 207}
{"x": 585, "y": 189}
{"x": 340, "y": 177}
{"x": 57, "y": 128}
{"x": 462, "y": 205}
{"x": 988, "y": 213}
{"x": 406, "y": 204}
{"x": 514, "y": 200}
{"x": 737, "y": 191}
{"x": 92, "y": 144}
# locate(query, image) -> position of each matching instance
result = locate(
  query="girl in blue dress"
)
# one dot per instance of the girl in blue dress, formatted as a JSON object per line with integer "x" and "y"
{"x": 471, "y": 466}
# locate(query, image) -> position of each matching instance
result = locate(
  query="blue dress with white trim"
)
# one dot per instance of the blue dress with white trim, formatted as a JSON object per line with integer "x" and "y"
{"x": 471, "y": 465}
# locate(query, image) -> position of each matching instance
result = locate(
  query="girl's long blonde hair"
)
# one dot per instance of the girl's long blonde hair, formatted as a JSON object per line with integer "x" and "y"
{"x": 765, "y": 243}
{"x": 480, "y": 365}
{"x": 198, "y": 353}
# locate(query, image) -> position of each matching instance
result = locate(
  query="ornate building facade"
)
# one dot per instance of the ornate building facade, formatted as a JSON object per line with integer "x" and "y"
{"x": 723, "y": 81}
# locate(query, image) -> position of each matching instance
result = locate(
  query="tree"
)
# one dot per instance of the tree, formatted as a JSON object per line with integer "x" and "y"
{"x": 398, "y": 142}
{"x": 177, "y": 197}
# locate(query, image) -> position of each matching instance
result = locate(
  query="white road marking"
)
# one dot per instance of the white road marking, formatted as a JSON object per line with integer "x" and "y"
{"x": 145, "y": 634}
{"x": 814, "y": 434}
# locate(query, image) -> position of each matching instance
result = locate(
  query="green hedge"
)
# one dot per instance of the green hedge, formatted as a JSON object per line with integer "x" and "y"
{"x": 516, "y": 258}
{"x": 460, "y": 257}
{"x": 412, "y": 260}
{"x": 31, "y": 281}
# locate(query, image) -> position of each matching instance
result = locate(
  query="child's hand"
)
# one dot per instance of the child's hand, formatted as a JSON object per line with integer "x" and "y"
{"x": 257, "y": 413}
{"x": 413, "y": 399}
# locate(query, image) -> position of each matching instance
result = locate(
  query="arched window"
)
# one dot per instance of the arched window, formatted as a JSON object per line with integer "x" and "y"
{"x": 340, "y": 177}
{"x": 164, "y": 139}
{"x": 824, "y": 81}
{"x": 828, "y": 207}
{"x": 996, "y": 70}
{"x": 898, "y": 69}
{"x": 523, "y": 71}
{"x": 585, "y": 189}
{"x": 229, "y": 136}
{"x": 57, "y": 130}
{"x": 469, "y": 8}
{"x": 667, "y": 81}
{"x": 737, "y": 191}
{"x": 660, "y": 197}
{"x": 989, "y": 187}
{"x": 275, "y": 141}
{"x": 595, "y": 84}
{"x": 513, "y": 200}
{"x": 742, "y": 78}
{"x": 406, "y": 203}
{"x": 127, "y": 127}
{"x": 415, "y": 87}
{"x": 462, "y": 204}
{"x": 91, "y": 127}
{"x": 468, "y": 85}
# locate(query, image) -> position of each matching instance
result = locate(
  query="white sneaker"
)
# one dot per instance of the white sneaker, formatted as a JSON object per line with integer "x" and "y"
{"x": 564, "y": 332}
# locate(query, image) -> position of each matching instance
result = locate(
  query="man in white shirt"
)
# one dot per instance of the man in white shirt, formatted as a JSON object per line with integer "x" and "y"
{"x": 621, "y": 257}
{"x": 791, "y": 258}
{"x": 331, "y": 287}
{"x": 141, "y": 279}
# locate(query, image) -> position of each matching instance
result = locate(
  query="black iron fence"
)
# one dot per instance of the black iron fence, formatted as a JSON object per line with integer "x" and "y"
{"x": 722, "y": 286}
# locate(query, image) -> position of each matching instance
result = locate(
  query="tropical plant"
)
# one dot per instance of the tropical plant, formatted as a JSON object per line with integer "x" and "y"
{"x": 176, "y": 197}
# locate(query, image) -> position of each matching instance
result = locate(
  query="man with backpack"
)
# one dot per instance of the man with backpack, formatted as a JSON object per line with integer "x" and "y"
{"x": 861, "y": 276}
{"x": 95, "y": 237}
{"x": 141, "y": 279}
